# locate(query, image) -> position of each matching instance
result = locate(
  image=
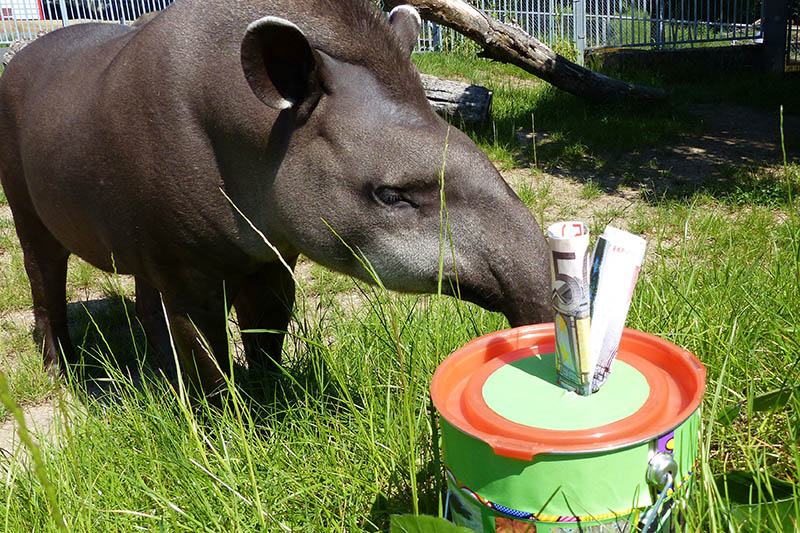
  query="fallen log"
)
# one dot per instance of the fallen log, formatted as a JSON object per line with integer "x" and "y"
{"x": 509, "y": 44}
{"x": 15, "y": 47}
{"x": 462, "y": 101}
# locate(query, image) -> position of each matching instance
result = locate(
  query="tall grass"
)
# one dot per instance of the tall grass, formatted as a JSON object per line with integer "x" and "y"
{"x": 326, "y": 445}
{"x": 345, "y": 434}
{"x": 573, "y": 124}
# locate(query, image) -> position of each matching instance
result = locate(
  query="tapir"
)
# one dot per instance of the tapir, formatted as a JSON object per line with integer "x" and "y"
{"x": 203, "y": 150}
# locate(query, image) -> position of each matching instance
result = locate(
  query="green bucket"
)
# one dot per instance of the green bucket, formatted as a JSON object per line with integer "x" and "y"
{"x": 523, "y": 454}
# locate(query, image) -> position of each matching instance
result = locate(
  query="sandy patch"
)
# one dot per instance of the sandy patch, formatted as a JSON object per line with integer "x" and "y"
{"x": 40, "y": 421}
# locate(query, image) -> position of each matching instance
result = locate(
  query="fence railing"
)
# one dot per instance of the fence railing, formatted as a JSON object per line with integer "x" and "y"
{"x": 793, "y": 39}
{"x": 562, "y": 24}
{"x": 589, "y": 24}
{"x": 25, "y": 19}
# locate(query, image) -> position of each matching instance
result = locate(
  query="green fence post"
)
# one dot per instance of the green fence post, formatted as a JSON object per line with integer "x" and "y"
{"x": 579, "y": 27}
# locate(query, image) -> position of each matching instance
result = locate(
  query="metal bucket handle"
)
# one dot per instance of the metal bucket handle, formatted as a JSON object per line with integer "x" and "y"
{"x": 661, "y": 472}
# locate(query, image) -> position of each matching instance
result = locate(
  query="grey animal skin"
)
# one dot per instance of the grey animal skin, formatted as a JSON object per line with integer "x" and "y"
{"x": 118, "y": 142}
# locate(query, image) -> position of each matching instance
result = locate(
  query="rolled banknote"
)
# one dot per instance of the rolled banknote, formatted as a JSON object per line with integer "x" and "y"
{"x": 616, "y": 261}
{"x": 569, "y": 267}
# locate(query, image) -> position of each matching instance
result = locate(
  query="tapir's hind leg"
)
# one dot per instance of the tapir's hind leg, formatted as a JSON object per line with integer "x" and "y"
{"x": 46, "y": 265}
{"x": 265, "y": 302}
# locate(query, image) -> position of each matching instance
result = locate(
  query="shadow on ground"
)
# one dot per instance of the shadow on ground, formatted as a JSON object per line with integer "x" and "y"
{"x": 725, "y": 155}
{"x": 110, "y": 342}
{"x": 108, "y": 339}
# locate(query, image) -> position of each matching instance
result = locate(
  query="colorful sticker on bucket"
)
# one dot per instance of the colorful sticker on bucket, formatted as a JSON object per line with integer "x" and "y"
{"x": 510, "y": 525}
{"x": 522, "y": 515}
{"x": 615, "y": 527}
{"x": 666, "y": 443}
{"x": 466, "y": 511}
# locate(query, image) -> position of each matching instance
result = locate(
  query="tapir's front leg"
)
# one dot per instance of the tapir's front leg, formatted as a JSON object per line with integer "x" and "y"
{"x": 198, "y": 320}
{"x": 265, "y": 302}
{"x": 150, "y": 313}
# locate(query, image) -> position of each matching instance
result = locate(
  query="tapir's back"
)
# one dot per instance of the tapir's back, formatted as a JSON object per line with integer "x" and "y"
{"x": 115, "y": 129}
{"x": 60, "y": 68}
{"x": 53, "y": 145}
{"x": 184, "y": 61}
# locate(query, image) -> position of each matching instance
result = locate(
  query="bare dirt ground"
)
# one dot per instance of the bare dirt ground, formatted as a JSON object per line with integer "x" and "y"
{"x": 40, "y": 421}
{"x": 729, "y": 137}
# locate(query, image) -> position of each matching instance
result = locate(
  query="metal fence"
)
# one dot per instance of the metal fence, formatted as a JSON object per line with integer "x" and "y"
{"x": 793, "y": 39}
{"x": 590, "y": 24}
{"x": 25, "y": 19}
{"x": 562, "y": 24}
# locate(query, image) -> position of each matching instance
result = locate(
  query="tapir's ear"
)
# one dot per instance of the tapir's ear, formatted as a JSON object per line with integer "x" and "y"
{"x": 278, "y": 62}
{"x": 406, "y": 23}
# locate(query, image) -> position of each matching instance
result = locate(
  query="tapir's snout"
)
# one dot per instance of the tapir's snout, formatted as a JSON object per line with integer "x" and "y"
{"x": 518, "y": 272}
{"x": 501, "y": 259}
{"x": 528, "y": 311}
{"x": 524, "y": 273}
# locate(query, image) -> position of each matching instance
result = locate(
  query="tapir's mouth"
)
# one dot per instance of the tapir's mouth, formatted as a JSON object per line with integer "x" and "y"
{"x": 516, "y": 314}
{"x": 490, "y": 302}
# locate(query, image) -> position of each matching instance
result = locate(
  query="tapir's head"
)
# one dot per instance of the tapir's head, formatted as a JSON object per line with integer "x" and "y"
{"x": 373, "y": 179}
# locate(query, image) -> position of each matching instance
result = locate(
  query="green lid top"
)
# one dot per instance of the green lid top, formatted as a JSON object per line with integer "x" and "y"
{"x": 526, "y": 391}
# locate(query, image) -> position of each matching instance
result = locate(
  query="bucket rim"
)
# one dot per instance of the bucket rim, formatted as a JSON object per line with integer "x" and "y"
{"x": 675, "y": 376}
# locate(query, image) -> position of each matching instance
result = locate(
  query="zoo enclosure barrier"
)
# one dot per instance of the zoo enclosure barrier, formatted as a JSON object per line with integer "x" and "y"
{"x": 26, "y": 19}
{"x": 570, "y": 27}
{"x": 576, "y": 26}
{"x": 793, "y": 38}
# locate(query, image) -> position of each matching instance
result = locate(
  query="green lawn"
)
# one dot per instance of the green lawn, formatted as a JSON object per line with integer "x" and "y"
{"x": 345, "y": 436}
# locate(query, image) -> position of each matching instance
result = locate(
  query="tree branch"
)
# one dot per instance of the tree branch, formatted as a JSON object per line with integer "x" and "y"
{"x": 509, "y": 44}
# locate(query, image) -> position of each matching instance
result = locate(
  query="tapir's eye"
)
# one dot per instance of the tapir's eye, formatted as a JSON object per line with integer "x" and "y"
{"x": 392, "y": 196}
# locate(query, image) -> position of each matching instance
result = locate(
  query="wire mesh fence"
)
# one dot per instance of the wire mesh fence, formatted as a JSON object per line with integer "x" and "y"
{"x": 662, "y": 23}
{"x": 25, "y": 19}
{"x": 618, "y": 23}
{"x": 793, "y": 37}
{"x": 562, "y": 24}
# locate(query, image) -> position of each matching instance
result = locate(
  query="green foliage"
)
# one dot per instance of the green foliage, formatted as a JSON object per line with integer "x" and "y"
{"x": 468, "y": 67}
{"x": 768, "y": 401}
{"x": 573, "y": 124}
{"x": 751, "y": 185}
{"x": 590, "y": 190}
{"x": 29, "y": 383}
{"x": 566, "y": 49}
{"x": 758, "y": 501}
{"x": 38, "y": 466}
{"x": 325, "y": 447}
{"x": 344, "y": 436}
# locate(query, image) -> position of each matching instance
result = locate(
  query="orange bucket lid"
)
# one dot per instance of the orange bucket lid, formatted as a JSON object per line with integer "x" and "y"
{"x": 672, "y": 383}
